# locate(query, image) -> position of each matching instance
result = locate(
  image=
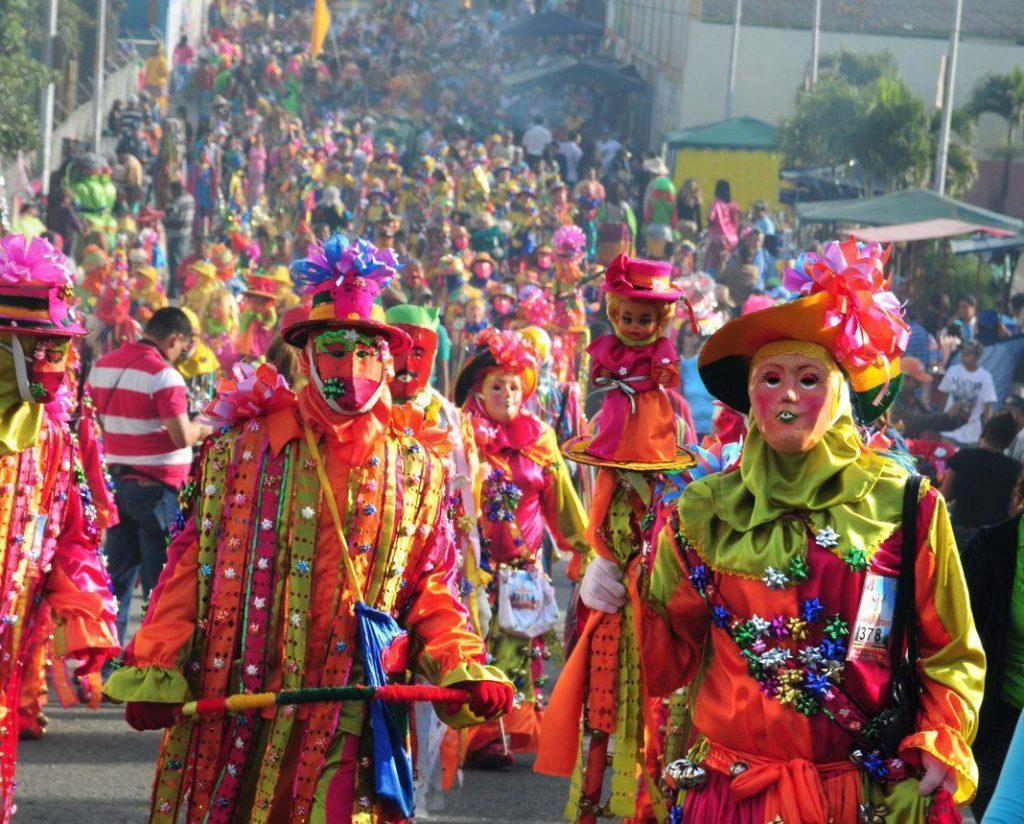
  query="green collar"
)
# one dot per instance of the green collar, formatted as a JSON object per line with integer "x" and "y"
{"x": 735, "y": 520}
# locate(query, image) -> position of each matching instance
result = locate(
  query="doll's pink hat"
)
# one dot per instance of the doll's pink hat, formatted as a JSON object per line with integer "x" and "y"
{"x": 640, "y": 279}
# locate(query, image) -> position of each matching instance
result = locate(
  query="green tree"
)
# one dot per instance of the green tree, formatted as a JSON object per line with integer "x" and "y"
{"x": 892, "y": 140}
{"x": 21, "y": 78}
{"x": 819, "y": 133}
{"x": 862, "y": 112}
{"x": 1002, "y": 95}
{"x": 857, "y": 69}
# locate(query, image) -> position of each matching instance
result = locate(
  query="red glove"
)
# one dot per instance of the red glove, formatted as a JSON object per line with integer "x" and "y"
{"x": 150, "y": 715}
{"x": 487, "y": 699}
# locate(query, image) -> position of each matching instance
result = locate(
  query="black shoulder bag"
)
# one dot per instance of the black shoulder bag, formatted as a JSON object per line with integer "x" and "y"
{"x": 899, "y": 719}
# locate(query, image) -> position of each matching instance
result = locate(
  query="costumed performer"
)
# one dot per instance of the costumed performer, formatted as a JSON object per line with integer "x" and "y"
{"x": 435, "y": 422}
{"x": 525, "y": 488}
{"x": 778, "y": 583}
{"x": 312, "y": 517}
{"x": 73, "y": 409}
{"x": 636, "y": 438}
{"x": 48, "y": 557}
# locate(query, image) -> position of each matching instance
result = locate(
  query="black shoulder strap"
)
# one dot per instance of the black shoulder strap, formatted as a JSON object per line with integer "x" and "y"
{"x": 904, "y": 624}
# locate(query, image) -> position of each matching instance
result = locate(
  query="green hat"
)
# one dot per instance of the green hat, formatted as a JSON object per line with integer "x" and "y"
{"x": 409, "y": 314}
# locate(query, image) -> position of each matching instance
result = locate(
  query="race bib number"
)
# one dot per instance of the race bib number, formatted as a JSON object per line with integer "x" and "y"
{"x": 869, "y": 640}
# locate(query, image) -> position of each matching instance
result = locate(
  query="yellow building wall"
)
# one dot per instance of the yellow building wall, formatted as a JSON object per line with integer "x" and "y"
{"x": 752, "y": 175}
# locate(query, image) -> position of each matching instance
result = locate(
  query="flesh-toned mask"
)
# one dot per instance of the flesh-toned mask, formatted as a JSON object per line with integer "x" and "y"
{"x": 502, "y": 395}
{"x": 414, "y": 365}
{"x": 352, "y": 368}
{"x": 792, "y": 400}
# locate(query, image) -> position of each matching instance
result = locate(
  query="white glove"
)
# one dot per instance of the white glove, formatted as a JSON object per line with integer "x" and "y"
{"x": 602, "y": 587}
{"x": 936, "y": 774}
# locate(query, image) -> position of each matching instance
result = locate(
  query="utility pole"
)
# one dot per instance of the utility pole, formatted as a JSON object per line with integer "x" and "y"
{"x": 942, "y": 156}
{"x": 815, "y": 43}
{"x": 48, "y": 93}
{"x": 734, "y": 59}
{"x": 101, "y": 54}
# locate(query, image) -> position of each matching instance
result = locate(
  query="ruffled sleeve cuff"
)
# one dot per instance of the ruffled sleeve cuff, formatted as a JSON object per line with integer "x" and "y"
{"x": 949, "y": 747}
{"x": 157, "y": 684}
{"x": 81, "y": 634}
{"x": 85, "y": 624}
{"x": 469, "y": 671}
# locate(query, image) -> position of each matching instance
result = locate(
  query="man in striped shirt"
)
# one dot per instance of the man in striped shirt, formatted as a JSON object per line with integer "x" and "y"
{"x": 148, "y": 439}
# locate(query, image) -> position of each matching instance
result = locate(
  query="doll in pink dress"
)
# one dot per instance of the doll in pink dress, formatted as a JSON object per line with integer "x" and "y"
{"x": 635, "y": 365}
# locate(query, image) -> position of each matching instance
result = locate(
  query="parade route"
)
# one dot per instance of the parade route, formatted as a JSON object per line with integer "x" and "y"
{"x": 91, "y": 769}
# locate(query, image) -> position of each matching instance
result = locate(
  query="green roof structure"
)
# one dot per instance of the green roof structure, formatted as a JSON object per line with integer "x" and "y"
{"x": 735, "y": 133}
{"x": 907, "y": 206}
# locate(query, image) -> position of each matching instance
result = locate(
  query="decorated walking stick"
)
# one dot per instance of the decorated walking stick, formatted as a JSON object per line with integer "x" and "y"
{"x": 390, "y": 693}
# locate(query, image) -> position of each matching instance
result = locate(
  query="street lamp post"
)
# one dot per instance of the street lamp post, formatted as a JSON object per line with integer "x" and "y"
{"x": 101, "y": 54}
{"x": 734, "y": 59}
{"x": 942, "y": 156}
{"x": 815, "y": 43}
{"x": 48, "y": 93}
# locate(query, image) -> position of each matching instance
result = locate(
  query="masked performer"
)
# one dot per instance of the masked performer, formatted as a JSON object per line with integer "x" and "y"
{"x": 313, "y": 517}
{"x": 780, "y": 582}
{"x": 525, "y": 489}
{"x": 48, "y": 532}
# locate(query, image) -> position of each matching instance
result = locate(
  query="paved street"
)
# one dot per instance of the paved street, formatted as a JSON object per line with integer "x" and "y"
{"x": 92, "y": 769}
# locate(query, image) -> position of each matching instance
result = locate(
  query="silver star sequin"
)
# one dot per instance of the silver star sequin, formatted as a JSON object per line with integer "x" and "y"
{"x": 775, "y": 578}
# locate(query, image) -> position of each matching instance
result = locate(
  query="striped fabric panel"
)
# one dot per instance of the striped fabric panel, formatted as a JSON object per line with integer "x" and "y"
{"x": 135, "y": 389}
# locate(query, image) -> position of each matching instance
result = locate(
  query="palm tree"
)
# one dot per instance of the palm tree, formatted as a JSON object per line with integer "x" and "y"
{"x": 1002, "y": 95}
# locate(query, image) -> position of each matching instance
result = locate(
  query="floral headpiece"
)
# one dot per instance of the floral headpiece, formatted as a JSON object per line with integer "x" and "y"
{"x": 863, "y": 310}
{"x": 569, "y": 242}
{"x": 344, "y": 280}
{"x": 510, "y": 350}
{"x": 536, "y": 306}
{"x": 845, "y": 305}
{"x": 336, "y": 258}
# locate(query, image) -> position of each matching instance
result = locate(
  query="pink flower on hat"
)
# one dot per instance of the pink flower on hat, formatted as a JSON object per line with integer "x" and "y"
{"x": 33, "y": 262}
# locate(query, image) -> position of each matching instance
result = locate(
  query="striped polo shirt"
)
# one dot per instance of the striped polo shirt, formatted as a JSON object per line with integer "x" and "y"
{"x": 134, "y": 388}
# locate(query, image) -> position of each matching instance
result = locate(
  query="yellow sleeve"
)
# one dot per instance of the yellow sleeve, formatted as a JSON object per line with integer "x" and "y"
{"x": 952, "y": 661}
